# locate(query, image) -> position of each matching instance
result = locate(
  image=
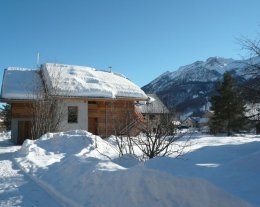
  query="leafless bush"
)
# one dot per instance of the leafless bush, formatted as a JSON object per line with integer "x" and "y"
{"x": 47, "y": 107}
{"x": 159, "y": 140}
{"x": 156, "y": 138}
{"x": 125, "y": 125}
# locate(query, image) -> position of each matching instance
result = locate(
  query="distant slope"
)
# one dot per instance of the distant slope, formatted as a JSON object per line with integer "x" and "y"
{"x": 189, "y": 87}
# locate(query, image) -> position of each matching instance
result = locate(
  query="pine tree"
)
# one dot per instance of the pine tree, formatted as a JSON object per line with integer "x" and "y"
{"x": 6, "y": 114}
{"x": 228, "y": 107}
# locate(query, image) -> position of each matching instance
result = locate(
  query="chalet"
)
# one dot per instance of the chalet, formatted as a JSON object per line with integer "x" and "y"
{"x": 153, "y": 110}
{"x": 253, "y": 114}
{"x": 202, "y": 123}
{"x": 190, "y": 122}
{"x": 93, "y": 100}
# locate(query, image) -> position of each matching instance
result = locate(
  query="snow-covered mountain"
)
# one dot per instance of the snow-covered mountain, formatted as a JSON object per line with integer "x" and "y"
{"x": 188, "y": 88}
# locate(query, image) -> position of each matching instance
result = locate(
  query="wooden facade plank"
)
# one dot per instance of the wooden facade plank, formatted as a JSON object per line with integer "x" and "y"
{"x": 104, "y": 116}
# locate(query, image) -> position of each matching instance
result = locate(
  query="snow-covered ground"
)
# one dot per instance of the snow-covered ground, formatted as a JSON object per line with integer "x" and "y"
{"x": 16, "y": 188}
{"x": 231, "y": 163}
{"x": 80, "y": 169}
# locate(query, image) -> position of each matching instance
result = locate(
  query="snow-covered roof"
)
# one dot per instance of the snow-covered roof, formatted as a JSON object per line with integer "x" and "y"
{"x": 68, "y": 80}
{"x": 154, "y": 106}
{"x": 20, "y": 83}
{"x": 71, "y": 80}
{"x": 203, "y": 120}
{"x": 253, "y": 111}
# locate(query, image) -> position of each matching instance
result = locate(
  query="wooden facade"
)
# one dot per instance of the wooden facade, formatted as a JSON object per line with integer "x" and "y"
{"x": 21, "y": 110}
{"x": 110, "y": 117}
{"x": 105, "y": 117}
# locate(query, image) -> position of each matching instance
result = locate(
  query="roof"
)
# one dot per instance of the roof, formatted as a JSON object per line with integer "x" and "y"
{"x": 203, "y": 120}
{"x": 82, "y": 81}
{"x": 20, "y": 83}
{"x": 154, "y": 106}
{"x": 253, "y": 111}
{"x": 69, "y": 80}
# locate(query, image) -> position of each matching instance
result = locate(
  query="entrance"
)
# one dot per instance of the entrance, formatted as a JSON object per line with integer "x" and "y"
{"x": 24, "y": 131}
{"x": 92, "y": 125}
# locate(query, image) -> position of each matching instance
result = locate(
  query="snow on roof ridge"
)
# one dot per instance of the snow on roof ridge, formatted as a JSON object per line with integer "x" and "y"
{"x": 86, "y": 67}
{"x": 84, "y": 81}
{"x": 68, "y": 65}
{"x": 20, "y": 69}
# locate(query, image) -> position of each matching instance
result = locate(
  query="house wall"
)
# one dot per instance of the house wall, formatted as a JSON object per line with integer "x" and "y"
{"x": 82, "y": 115}
{"x": 100, "y": 117}
{"x": 20, "y": 112}
{"x": 152, "y": 121}
{"x": 14, "y": 129}
{"x": 110, "y": 117}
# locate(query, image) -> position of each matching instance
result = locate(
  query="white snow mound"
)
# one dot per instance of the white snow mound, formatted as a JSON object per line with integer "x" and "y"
{"x": 82, "y": 173}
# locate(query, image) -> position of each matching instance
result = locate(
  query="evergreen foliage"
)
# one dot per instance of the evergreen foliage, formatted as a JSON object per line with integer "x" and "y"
{"x": 6, "y": 114}
{"x": 229, "y": 108}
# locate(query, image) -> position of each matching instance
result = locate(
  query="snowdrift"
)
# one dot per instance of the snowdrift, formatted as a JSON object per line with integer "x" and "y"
{"x": 77, "y": 168}
{"x": 231, "y": 163}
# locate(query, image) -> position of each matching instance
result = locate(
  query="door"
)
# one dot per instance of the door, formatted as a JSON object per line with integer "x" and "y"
{"x": 92, "y": 125}
{"x": 24, "y": 131}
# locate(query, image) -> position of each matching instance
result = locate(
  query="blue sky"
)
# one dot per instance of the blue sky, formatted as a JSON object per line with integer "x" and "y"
{"x": 139, "y": 38}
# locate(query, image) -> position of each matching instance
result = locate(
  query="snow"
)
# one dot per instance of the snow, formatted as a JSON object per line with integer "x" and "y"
{"x": 231, "y": 163}
{"x": 16, "y": 188}
{"x": 81, "y": 169}
{"x": 20, "y": 83}
{"x": 253, "y": 110}
{"x": 89, "y": 82}
{"x": 76, "y": 168}
{"x": 153, "y": 106}
{"x": 209, "y": 70}
{"x": 68, "y": 80}
{"x": 203, "y": 120}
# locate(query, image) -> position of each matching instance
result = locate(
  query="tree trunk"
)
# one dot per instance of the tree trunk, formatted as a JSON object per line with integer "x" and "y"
{"x": 257, "y": 128}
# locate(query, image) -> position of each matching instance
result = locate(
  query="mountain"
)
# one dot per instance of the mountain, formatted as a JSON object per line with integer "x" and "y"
{"x": 188, "y": 88}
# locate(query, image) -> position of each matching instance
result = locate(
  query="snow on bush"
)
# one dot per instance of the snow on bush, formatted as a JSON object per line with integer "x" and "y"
{"x": 82, "y": 169}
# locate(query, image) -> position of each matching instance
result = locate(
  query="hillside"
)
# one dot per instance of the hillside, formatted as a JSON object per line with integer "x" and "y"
{"x": 189, "y": 87}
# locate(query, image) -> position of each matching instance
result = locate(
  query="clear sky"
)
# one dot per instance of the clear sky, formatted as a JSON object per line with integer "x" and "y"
{"x": 139, "y": 38}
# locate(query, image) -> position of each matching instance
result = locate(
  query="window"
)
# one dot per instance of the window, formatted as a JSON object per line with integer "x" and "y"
{"x": 151, "y": 116}
{"x": 92, "y": 102}
{"x": 72, "y": 114}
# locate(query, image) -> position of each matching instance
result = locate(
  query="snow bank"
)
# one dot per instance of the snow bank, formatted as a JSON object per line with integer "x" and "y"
{"x": 231, "y": 163}
{"x": 89, "y": 82}
{"x": 134, "y": 187}
{"x": 81, "y": 169}
{"x": 54, "y": 147}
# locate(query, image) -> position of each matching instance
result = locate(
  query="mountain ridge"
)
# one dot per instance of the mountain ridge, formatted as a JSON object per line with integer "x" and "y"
{"x": 189, "y": 88}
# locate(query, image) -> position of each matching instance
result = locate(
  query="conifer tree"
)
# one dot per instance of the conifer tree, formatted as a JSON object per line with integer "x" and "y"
{"x": 229, "y": 108}
{"x": 6, "y": 114}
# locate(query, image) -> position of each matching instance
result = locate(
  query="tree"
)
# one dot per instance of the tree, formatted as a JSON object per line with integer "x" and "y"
{"x": 157, "y": 137}
{"x": 228, "y": 107}
{"x": 47, "y": 109}
{"x": 6, "y": 114}
{"x": 251, "y": 88}
{"x": 159, "y": 140}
